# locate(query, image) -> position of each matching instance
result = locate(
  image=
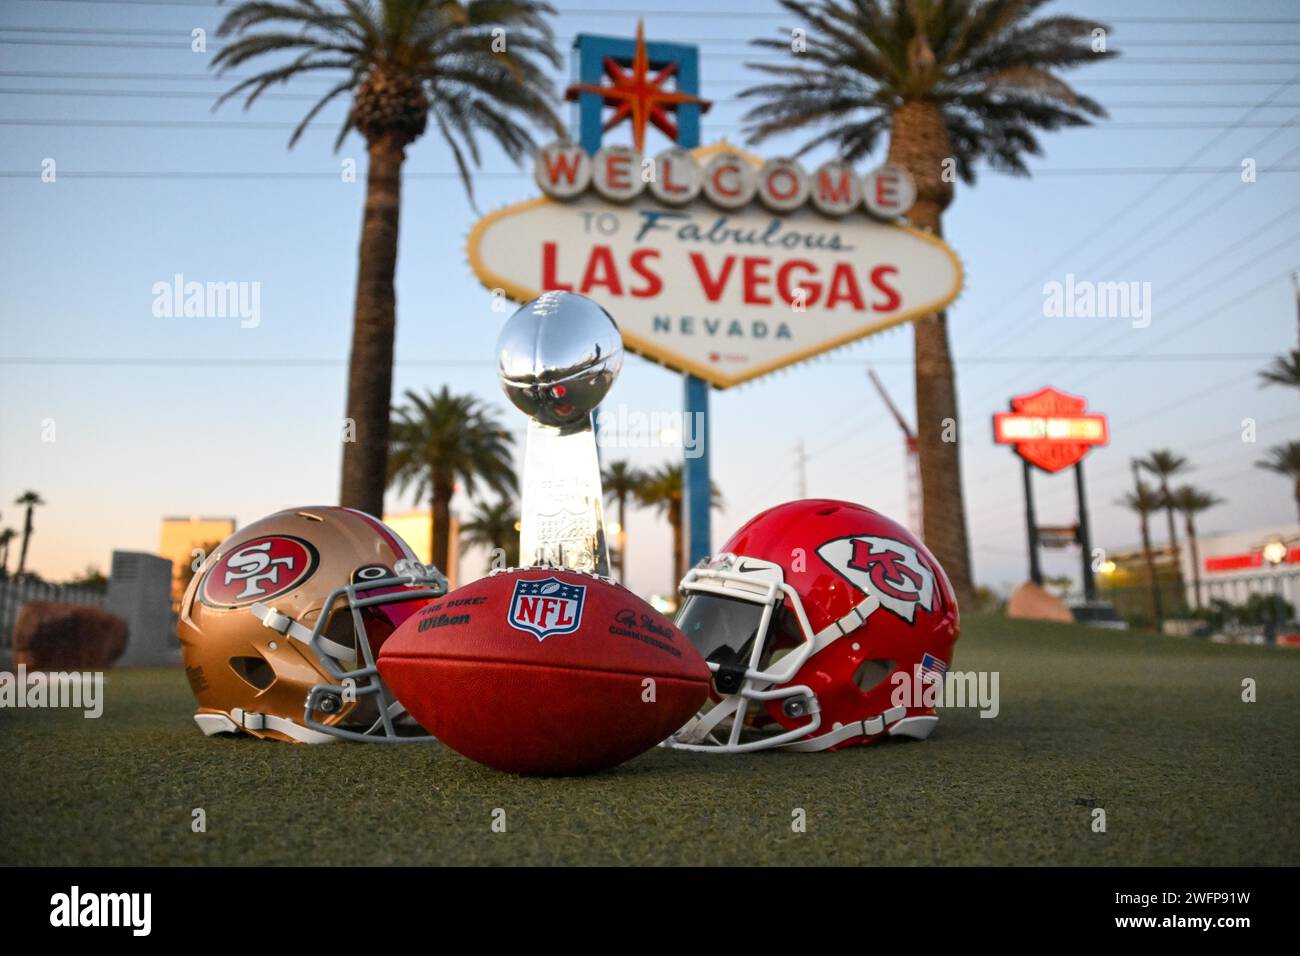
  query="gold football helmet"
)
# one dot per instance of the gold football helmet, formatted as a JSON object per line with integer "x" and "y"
{"x": 281, "y": 625}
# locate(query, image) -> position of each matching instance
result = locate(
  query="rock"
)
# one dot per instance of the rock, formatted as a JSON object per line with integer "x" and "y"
{"x": 1033, "y": 602}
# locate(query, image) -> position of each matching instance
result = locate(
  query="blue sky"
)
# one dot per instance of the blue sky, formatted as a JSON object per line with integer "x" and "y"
{"x": 139, "y": 436}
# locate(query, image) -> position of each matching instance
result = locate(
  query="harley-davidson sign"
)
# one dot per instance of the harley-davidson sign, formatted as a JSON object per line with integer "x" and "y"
{"x": 1050, "y": 429}
{"x": 715, "y": 263}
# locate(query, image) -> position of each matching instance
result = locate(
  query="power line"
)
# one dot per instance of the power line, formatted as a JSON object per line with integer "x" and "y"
{"x": 1183, "y": 400}
{"x": 1148, "y": 194}
{"x": 564, "y": 38}
{"x": 522, "y": 174}
{"x": 323, "y": 125}
{"x": 237, "y": 77}
{"x": 747, "y": 14}
{"x": 1233, "y": 435}
{"x": 1215, "y": 257}
{"x": 183, "y": 45}
{"x": 188, "y": 361}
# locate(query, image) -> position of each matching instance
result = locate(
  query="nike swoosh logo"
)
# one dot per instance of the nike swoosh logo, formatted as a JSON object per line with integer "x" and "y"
{"x": 745, "y": 568}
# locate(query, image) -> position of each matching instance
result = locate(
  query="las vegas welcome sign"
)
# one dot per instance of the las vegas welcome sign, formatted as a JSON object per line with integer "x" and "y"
{"x": 714, "y": 262}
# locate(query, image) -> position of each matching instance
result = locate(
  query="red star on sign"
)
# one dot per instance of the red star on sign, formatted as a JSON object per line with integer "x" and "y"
{"x": 637, "y": 96}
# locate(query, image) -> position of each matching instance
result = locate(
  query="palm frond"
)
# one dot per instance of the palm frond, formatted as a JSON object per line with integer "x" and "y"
{"x": 401, "y": 59}
{"x": 990, "y": 65}
{"x": 1283, "y": 370}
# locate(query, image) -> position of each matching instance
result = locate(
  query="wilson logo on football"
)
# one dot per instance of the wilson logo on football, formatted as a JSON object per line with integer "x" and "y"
{"x": 546, "y": 606}
{"x": 888, "y": 570}
{"x": 259, "y": 569}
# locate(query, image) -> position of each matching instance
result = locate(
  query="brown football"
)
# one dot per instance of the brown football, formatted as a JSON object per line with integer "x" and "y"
{"x": 545, "y": 671}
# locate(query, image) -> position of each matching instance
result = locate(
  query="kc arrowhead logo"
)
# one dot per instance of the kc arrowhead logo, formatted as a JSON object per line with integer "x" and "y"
{"x": 884, "y": 568}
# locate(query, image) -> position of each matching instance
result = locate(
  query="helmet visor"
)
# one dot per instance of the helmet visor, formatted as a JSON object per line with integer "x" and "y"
{"x": 723, "y": 629}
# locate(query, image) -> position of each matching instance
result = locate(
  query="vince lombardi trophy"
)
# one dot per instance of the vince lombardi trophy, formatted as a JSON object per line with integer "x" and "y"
{"x": 557, "y": 358}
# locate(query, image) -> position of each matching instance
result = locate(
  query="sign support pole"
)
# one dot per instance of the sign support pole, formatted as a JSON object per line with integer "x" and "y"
{"x": 696, "y": 483}
{"x": 1085, "y": 535}
{"x": 1031, "y": 522}
{"x": 1052, "y": 431}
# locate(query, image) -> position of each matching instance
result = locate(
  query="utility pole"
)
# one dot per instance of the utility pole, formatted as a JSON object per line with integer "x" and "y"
{"x": 1295, "y": 284}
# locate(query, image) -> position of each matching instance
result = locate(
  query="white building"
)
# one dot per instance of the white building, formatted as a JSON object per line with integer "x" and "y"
{"x": 1236, "y": 564}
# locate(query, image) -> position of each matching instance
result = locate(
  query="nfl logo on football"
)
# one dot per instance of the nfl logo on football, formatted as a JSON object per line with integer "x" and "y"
{"x": 547, "y": 607}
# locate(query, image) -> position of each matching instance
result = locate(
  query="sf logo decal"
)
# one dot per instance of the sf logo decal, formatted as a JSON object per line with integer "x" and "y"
{"x": 254, "y": 564}
{"x": 888, "y": 570}
{"x": 259, "y": 569}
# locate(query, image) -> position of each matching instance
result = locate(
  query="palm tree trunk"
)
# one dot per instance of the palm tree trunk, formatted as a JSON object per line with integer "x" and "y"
{"x": 919, "y": 143}
{"x": 440, "y": 532}
{"x": 1157, "y": 607}
{"x": 1196, "y": 561}
{"x": 370, "y": 371}
{"x": 1173, "y": 536}
{"x": 27, "y": 537}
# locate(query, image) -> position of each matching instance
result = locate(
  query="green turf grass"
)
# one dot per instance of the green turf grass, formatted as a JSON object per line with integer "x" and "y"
{"x": 1151, "y": 729}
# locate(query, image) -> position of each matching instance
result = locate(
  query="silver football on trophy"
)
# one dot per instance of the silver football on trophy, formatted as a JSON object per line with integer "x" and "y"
{"x": 558, "y": 356}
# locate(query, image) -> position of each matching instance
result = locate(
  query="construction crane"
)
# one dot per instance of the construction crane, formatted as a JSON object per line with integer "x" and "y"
{"x": 912, "y": 462}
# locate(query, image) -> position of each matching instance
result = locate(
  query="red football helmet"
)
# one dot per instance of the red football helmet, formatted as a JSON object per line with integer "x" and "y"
{"x": 807, "y": 617}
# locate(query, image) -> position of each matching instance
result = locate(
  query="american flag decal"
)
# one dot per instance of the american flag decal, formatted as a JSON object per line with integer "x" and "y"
{"x": 933, "y": 669}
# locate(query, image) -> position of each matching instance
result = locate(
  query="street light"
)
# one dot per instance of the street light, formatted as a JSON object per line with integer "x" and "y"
{"x": 1275, "y": 552}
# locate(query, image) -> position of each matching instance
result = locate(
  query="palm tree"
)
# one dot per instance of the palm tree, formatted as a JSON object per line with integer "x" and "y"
{"x": 1284, "y": 370}
{"x": 186, "y": 568}
{"x": 91, "y": 579}
{"x": 1164, "y": 464}
{"x": 31, "y": 501}
{"x": 1285, "y": 460}
{"x": 661, "y": 489}
{"x": 952, "y": 83}
{"x": 473, "y": 66}
{"x": 1145, "y": 500}
{"x": 1191, "y": 502}
{"x": 439, "y": 439}
{"x": 493, "y": 525}
{"x": 6, "y": 536}
{"x": 621, "y": 481}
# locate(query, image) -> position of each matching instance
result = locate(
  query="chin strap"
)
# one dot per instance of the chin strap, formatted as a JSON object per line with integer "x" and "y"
{"x": 242, "y": 720}
{"x": 895, "y": 719}
{"x": 283, "y": 624}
